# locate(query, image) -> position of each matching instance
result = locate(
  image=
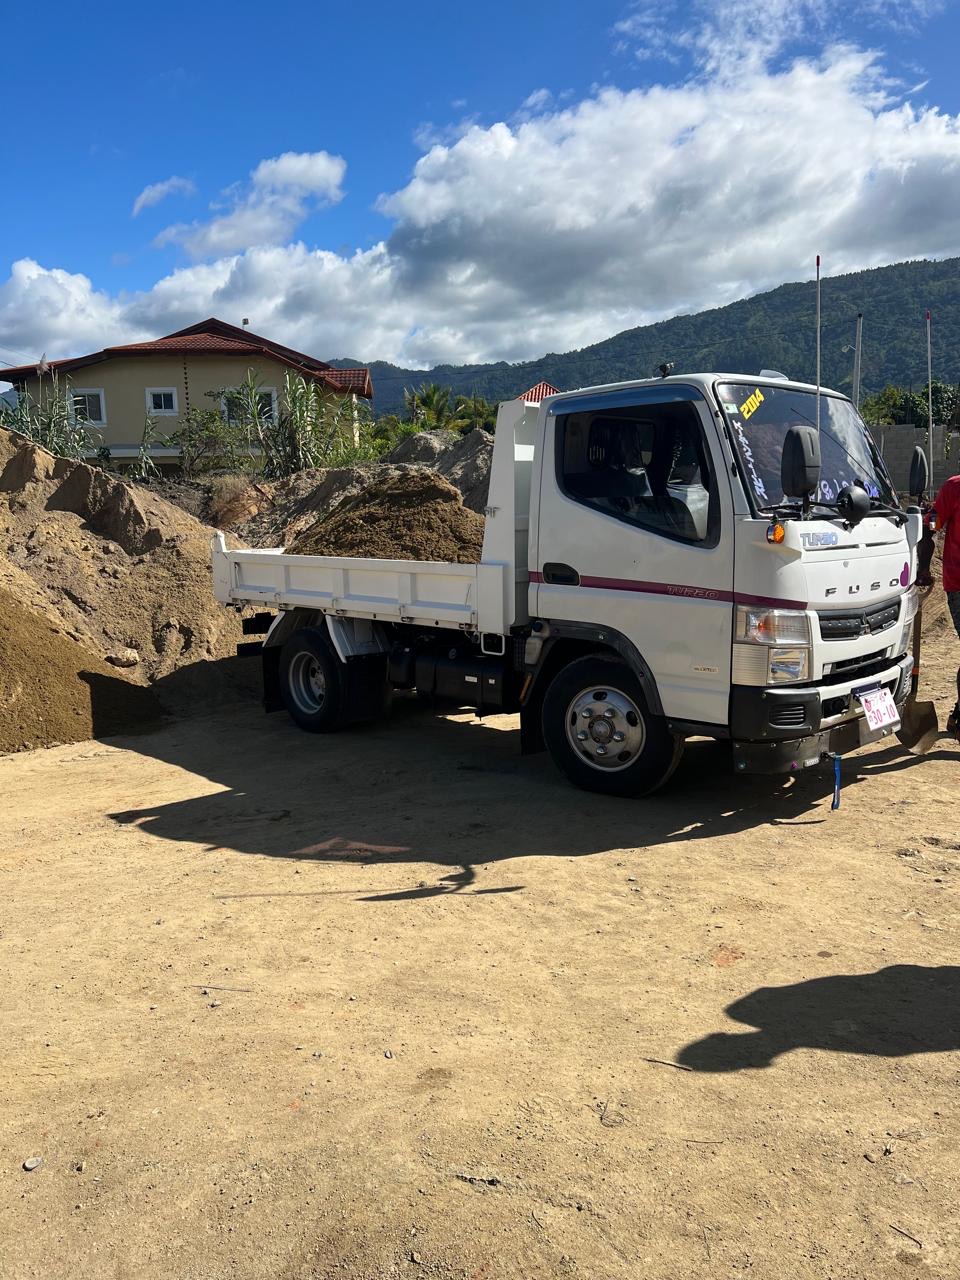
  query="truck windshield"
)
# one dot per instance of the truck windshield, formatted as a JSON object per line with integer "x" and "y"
{"x": 759, "y": 417}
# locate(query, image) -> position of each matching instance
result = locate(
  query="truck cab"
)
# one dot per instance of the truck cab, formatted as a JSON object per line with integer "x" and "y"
{"x": 645, "y": 579}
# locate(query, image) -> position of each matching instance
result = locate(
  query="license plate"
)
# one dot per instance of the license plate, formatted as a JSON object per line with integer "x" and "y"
{"x": 879, "y": 709}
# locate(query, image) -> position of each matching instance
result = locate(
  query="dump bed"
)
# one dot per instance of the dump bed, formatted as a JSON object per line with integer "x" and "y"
{"x": 473, "y": 597}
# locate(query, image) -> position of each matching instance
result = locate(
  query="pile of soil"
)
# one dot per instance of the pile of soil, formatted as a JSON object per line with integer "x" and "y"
{"x": 289, "y": 507}
{"x": 412, "y": 516}
{"x": 117, "y": 571}
{"x": 464, "y": 460}
{"x": 53, "y": 689}
{"x": 423, "y": 447}
{"x": 192, "y": 496}
{"x": 274, "y": 513}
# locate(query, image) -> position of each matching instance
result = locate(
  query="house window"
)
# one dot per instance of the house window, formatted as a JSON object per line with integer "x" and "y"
{"x": 234, "y": 402}
{"x": 89, "y": 405}
{"x": 162, "y": 402}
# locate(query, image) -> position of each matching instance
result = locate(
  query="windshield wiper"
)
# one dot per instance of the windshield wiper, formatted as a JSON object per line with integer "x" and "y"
{"x": 797, "y": 508}
{"x": 878, "y": 508}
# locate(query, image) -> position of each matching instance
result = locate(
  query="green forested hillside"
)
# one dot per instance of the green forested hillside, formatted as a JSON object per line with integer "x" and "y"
{"x": 773, "y": 330}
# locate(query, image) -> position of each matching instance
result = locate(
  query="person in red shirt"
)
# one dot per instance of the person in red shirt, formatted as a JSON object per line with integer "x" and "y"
{"x": 945, "y": 515}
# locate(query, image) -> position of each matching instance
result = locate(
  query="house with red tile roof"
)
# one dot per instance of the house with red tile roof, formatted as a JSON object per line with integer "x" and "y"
{"x": 538, "y": 393}
{"x": 116, "y": 389}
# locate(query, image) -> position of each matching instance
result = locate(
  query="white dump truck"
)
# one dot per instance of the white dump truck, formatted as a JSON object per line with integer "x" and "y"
{"x": 698, "y": 555}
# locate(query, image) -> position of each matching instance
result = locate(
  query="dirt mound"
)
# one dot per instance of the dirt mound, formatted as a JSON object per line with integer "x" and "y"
{"x": 192, "y": 496}
{"x": 464, "y": 460}
{"x": 52, "y": 689}
{"x": 291, "y": 506}
{"x": 467, "y": 465}
{"x": 274, "y": 513}
{"x": 413, "y": 516}
{"x": 423, "y": 447}
{"x": 115, "y": 568}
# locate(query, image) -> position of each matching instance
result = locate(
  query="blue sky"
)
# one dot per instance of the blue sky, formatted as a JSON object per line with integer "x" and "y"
{"x": 432, "y": 181}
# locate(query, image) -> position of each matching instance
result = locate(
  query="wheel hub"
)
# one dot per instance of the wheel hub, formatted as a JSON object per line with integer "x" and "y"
{"x": 605, "y": 728}
{"x": 307, "y": 683}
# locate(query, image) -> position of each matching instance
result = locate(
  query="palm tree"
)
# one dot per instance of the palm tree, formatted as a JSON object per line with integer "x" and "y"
{"x": 429, "y": 407}
{"x": 474, "y": 411}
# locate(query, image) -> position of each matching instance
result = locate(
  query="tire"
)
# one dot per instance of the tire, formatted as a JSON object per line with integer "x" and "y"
{"x": 311, "y": 682}
{"x": 626, "y": 751}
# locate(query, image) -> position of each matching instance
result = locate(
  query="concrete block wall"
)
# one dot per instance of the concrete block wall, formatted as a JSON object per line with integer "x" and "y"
{"x": 897, "y": 443}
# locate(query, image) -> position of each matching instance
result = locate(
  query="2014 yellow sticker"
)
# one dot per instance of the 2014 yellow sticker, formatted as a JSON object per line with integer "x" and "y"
{"x": 752, "y": 403}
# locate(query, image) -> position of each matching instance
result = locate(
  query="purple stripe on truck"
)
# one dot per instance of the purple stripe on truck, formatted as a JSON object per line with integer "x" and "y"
{"x": 682, "y": 592}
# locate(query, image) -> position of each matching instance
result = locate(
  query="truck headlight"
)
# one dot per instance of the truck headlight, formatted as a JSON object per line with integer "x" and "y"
{"x": 757, "y": 625}
{"x": 783, "y": 640}
{"x": 789, "y": 664}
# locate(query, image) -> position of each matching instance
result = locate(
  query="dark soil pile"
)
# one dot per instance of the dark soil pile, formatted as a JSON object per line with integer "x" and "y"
{"x": 464, "y": 460}
{"x": 289, "y": 507}
{"x": 414, "y": 516}
{"x": 52, "y": 689}
{"x": 192, "y": 496}
{"x": 275, "y": 513}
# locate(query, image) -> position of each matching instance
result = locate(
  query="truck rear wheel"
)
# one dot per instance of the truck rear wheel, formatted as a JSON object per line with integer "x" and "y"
{"x": 311, "y": 682}
{"x": 601, "y": 733}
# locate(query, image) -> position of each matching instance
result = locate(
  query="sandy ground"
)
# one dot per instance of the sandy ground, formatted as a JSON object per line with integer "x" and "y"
{"x": 397, "y": 1002}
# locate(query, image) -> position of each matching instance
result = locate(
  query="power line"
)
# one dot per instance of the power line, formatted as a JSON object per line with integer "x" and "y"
{"x": 18, "y": 355}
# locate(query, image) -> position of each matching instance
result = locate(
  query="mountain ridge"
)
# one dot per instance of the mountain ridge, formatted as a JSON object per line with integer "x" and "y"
{"x": 772, "y": 330}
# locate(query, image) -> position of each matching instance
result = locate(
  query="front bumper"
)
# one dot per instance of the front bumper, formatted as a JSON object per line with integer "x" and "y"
{"x": 784, "y": 730}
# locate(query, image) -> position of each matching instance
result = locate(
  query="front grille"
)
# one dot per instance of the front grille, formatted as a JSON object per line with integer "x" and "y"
{"x": 860, "y": 622}
{"x": 865, "y": 660}
{"x": 870, "y": 664}
{"x": 789, "y": 715}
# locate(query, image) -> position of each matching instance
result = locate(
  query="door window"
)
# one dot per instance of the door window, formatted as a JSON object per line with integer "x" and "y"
{"x": 646, "y": 465}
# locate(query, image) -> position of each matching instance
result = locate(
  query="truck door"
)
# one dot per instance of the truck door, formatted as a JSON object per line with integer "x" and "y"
{"x": 635, "y": 535}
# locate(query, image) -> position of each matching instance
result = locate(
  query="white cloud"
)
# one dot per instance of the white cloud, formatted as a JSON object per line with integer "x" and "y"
{"x": 718, "y": 33}
{"x": 311, "y": 173}
{"x": 561, "y": 229}
{"x": 427, "y": 134}
{"x": 60, "y": 312}
{"x": 158, "y": 191}
{"x": 280, "y": 194}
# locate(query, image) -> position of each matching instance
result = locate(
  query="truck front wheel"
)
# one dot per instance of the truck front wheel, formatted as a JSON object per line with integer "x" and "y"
{"x": 601, "y": 733}
{"x": 311, "y": 682}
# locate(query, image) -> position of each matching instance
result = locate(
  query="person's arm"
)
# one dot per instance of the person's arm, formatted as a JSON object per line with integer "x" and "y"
{"x": 936, "y": 519}
{"x": 925, "y": 550}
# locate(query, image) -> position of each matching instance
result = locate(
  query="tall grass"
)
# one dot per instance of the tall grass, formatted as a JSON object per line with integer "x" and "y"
{"x": 308, "y": 427}
{"x": 51, "y": 421}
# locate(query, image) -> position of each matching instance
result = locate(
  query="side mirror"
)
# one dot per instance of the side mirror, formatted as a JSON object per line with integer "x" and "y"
{"x": 919, "y": 473}
{"x": 853, "y": 504}
{"x": 800, "y": 462}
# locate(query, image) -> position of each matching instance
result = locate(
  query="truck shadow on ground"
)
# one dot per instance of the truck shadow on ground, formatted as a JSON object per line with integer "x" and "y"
{"x": 901, "y": 1010}
{"x": 361, "y": 797}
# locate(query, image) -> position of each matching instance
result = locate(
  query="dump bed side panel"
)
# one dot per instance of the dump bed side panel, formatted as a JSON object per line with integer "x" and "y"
{"x": 427, "y": 593}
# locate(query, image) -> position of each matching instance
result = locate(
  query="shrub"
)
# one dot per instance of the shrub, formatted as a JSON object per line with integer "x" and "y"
{"x": 232, "y": 498}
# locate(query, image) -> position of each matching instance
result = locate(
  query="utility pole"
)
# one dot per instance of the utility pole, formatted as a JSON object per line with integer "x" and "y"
{"x": 856, "y": 361}
{"x": 930, "y": 404}
{"x": 818, "y": 344}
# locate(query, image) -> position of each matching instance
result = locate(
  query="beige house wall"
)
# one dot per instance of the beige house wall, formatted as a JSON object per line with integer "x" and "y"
{"x": 123, "y": 382}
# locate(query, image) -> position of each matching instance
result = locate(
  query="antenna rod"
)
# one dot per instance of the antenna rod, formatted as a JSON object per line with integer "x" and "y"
{"x": 930, "y": 404}
{"x": 818, "y": 344}
{"x": 856, "y": 361}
